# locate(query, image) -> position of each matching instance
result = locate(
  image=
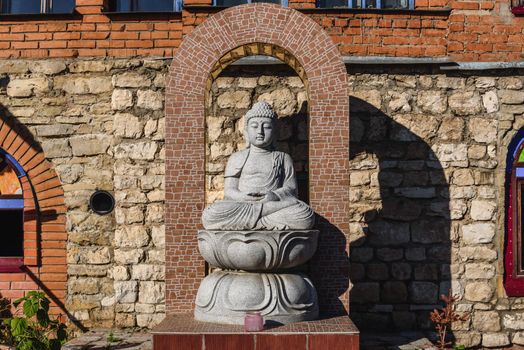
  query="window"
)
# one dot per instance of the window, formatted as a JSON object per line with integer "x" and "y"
{"x": 514, "y": 257}
{"x": 11, "y": 213}
{"x": 368, "y": 4}
{"x": 36, "y": 6}
{"x": 517, "y": 7}
{"x": 147, "y": 6}
{"x": 240, "y": 2}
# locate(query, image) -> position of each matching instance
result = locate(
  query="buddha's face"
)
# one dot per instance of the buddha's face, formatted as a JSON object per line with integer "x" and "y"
{"x": 260, "y": 131}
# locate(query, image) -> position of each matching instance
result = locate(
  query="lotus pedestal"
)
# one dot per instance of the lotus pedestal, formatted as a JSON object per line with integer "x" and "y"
{"x": 255, "y": 275}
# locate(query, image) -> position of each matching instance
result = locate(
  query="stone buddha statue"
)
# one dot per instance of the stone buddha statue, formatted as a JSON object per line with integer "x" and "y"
{"x": 260, "y": 188}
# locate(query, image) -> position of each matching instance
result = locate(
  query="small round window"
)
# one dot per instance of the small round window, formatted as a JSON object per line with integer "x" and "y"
{"x": 102, "y": 202}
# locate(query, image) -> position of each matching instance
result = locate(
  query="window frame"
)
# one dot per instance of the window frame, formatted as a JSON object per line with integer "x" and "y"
{"x": 46, "y": 8}
{"x": 283, "y": 3}
{"x": 411, "y": 6}
{"x": 13, "y": 202}
{"x": 517, "y": 7}
{"x": 177, "y": 7}
{"x": 514, "y": 223}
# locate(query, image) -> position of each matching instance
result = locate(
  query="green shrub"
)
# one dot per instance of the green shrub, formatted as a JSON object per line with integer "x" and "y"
{"x": 31, "y": 328}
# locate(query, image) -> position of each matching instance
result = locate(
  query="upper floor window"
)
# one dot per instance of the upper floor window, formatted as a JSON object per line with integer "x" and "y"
{"x": 240, "y": 2}
{"x": 368, "y": 4}
{"x": 514, "y": 255}
{"x": 36, "y": 6}
{"x": 146, "y": 5}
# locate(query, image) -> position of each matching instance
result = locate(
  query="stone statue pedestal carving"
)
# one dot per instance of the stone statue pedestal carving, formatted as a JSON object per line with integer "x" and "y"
{"x": 256, "y": 276}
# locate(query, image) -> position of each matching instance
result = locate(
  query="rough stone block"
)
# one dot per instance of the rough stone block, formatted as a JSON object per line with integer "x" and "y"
{"x": 423, "y": 292}
{"x": 48, "y": 67}
{"x": 495, "y": 340}
{"x": 430, "y": 231}
{"x": 27, "y": 87}
{"x": 121, "y": 99}
{"x": 486, "y": 321}
{"x": 465, "y": 103}
{"x": 89, "y": 145}
{"x": 150, "y": 99}
{"x": 131, "y": 80}
{"x": 482, "y": 210}
{"x": 394, "y": 292}
{"x": 151, "y": 292}
{"x": 383, "y": 233}
{"x": 478, "y": 233}
{"x": 365, "y": 292}
{"x": 479, "y": 291}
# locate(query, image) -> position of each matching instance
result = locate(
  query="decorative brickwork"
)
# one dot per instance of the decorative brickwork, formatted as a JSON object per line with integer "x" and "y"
{"x": 236, "y": 32}
{"x": 44, "y": 220}
{"x": 469, "y": 31}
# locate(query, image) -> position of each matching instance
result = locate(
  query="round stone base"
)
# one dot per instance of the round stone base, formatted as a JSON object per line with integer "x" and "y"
{"x": 226, "y": 296}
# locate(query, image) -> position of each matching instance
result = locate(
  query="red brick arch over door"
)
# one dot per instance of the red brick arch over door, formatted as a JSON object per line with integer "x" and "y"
{"x": 328, "y": 144}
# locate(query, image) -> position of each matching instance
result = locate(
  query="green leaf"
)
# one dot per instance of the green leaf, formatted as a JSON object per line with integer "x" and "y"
{"x": 55, "y": 344}
{"x": 18, "y": 301}
{"x": 61, "y": 334}
{"x": 18, "y": 326}
{"x": 43, "y": 318}
{"x": 26, "y": 344}
{"x": 30, "y": 308}
{"x": 44, "y": 304}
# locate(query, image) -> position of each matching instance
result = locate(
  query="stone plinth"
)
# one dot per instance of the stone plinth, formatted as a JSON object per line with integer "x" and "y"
{"x": 183, "y": 332}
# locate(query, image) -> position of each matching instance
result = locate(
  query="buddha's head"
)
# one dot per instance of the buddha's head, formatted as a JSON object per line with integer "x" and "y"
{"x": 260, "y": 125}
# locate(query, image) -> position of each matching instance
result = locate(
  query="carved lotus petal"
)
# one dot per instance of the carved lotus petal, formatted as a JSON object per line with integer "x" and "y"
{"x": 226, "y": 296}
{"x": 257, "y": 250}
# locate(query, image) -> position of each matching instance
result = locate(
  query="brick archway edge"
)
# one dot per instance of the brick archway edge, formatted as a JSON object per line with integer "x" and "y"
{"x": 45, "y": 234}
{"x": 185, "y": 142}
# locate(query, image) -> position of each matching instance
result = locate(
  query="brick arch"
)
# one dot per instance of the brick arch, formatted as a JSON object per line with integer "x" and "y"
{"x": 45, "y": 235}
{"x": 195, "y": 61}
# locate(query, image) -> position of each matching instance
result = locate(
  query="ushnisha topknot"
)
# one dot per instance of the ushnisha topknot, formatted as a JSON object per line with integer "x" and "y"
{"x": 261, "y": 109}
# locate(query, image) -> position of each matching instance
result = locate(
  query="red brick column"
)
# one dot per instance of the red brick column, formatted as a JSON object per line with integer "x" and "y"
{"x": 185, "y": 145}
{"x": 45, "y": 236}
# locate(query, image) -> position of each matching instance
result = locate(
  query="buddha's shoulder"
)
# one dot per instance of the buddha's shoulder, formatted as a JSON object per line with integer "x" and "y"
{"x": 285, "y": 156}
{"x": 238, "y": 157}
{"x": 236, "y": 163}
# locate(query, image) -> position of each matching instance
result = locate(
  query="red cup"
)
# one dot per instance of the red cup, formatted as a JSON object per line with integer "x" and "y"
{"x": 253, "y": 322}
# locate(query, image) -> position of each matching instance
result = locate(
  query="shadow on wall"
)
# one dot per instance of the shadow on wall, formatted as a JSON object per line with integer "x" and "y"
{"x": 400, "y": 224}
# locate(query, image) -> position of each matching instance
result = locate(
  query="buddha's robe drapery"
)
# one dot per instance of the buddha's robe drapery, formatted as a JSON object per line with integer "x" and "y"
{"x": 279, "y": 178}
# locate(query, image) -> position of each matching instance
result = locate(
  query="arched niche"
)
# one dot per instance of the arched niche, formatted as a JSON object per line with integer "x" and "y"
{"x": 223, "y": 38}
{"x": 232, "y": 89}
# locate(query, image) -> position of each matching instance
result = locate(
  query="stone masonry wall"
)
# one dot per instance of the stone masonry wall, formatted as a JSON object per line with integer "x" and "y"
{"x": 428, "y": 157}
{"x": 100, "y": 123}
{"x": 426, "y": 186}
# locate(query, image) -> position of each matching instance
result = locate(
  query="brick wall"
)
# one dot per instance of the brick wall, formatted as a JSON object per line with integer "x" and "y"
{"x": 469, "y": 31}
